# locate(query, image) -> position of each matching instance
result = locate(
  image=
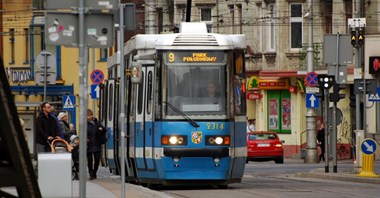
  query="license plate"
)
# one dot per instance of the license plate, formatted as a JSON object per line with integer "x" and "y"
{"x": 262, "y": 145}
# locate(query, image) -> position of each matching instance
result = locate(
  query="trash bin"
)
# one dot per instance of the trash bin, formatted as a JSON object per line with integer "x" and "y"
{"x": 54, "y": 174}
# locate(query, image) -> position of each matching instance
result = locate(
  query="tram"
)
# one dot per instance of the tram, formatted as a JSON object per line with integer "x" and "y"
{"x": 176, "y": 132}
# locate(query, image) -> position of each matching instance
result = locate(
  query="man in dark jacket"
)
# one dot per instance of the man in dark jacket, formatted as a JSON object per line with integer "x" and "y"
{"x": 46, "y": 129}
{"x": 94, "y": 132}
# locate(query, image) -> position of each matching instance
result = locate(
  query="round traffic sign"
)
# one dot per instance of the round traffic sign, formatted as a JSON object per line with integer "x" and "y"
{"x": 47, "y": 60}
{"x": 369, "y": 146}
{"x": 97, "y": 76}
{"x": 311, "y": 79}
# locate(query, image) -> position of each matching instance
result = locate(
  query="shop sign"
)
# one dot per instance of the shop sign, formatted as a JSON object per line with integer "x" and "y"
{"x": 254, "y": 96}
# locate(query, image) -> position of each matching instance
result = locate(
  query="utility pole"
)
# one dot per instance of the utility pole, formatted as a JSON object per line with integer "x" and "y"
{"x": 311, "y": 129}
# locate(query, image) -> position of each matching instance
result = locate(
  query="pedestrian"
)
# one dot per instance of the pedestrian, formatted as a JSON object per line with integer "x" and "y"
{"x": 251, "y": 127}
{"x": 321, "y": 141}
{"x": 94, "y": 132}
{"x": 46, "y": 129}
{"x": 52, "y": 112}
{"x": 67, "y": 132}
{"x": 74, "y": 142}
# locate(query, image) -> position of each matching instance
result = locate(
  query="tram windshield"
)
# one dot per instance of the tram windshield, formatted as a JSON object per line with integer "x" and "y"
{"x": 197, "y": 90}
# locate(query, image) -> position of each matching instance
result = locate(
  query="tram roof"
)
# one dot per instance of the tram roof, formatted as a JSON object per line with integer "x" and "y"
{"x": 185, "y": 41}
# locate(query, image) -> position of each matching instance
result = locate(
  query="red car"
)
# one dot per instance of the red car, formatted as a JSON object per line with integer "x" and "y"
{"x": 264, "y": 146}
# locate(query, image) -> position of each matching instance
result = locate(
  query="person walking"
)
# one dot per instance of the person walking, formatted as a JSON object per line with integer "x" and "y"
{"x": 321, "y": 141}
{"x": 46, "y": 129}
{"x": 94, "y": 132}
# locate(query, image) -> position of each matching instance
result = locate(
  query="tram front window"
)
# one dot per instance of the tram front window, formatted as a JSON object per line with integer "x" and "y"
{"x": 197, "y": 90}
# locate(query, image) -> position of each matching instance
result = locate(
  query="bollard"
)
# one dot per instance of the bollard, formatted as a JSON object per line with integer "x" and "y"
{"x": 368, "y": 147}
{"x": 368, "y": 166}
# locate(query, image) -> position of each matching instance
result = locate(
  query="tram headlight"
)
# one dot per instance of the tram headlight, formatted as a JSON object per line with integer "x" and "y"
{"x": 217, "y": 140}
{"x": 173, "y": 140}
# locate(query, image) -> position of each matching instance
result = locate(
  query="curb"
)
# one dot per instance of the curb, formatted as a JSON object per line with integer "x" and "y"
{"x": 340, "y": 177}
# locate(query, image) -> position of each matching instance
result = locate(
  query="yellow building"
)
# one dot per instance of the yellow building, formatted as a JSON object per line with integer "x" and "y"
{"x": 23, "y": 48}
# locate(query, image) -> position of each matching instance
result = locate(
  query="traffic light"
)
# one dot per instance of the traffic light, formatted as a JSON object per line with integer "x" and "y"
{"x": 336, "y": 96}
{"x": 360, "y": 38}
{"x": 353, "y": 38}
{"x": 326, "y": 81}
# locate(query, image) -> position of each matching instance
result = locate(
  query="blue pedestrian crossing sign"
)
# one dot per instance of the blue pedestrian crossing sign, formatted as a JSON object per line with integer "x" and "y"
{"x": 312, "y": 101}
{"x": 68, "y": 102}
{"x": 95, "y": 91}
{"x": 369, "y": 146}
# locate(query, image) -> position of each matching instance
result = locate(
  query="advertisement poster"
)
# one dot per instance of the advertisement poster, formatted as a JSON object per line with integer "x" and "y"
{"x": 273, "y": 114}
{"x": 286, "y": 113}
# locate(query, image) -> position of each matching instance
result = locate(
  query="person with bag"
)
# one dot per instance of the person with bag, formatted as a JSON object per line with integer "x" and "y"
{"x": 95, "y": 132}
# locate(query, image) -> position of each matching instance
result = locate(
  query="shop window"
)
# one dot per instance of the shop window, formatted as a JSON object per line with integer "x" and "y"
{"x": 279, "y": 111}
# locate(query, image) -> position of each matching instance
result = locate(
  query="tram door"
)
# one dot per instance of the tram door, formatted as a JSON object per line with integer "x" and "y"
{"x": 112, "y": 144}
{"x": 144, "y": 116}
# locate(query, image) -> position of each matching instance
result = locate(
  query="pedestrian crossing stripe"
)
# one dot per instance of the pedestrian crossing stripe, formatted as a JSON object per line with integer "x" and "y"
{"x": 68, "y": 104}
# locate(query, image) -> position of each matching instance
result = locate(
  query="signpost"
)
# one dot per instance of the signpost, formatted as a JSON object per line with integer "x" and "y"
{"x": 97, "y": 76}
{"x": 65, "y": 25}
{"x": 95, "y": 91}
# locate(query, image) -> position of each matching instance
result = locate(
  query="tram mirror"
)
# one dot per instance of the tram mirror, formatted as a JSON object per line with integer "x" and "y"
{"x": 136, "y": 75}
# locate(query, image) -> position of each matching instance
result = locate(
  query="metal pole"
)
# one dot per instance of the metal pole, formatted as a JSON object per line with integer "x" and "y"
{"x": 325, "y": 120}
{"x": 122, "y": 101}
{"x": 311, "y": 147}
{"x": 82, "y": 104}
{"x": 93, "y": 68}
{"x": 45, "y": 74}
{"x": 334, "y": 125}
{"x": 365, "y": 107}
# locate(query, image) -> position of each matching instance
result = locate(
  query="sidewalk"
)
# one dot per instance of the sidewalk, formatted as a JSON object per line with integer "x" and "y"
{"x": 343, "y": 174}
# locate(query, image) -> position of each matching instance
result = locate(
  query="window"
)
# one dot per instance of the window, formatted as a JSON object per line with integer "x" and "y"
{"x": 110, "y": 103}
{"x": 295, "y": 26}
{"x": 240, "y": 18}
{"x": 272, "y": 40}
{"x": 140, "y": 95}
{"x": 26, "y": 46}
{"x": 103, "y": 54}
{"x": 279, "y": 111}
{"x": 206, "y": 17}
{"x": 232, "y": 18}
{"x": 12, "y": 45}
{"x": 149, "y": 98}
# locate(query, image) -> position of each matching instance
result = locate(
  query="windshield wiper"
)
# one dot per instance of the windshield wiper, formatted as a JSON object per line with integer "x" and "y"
{"x": 192, "y": 122}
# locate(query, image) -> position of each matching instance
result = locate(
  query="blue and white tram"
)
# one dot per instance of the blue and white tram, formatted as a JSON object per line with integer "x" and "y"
{"x": 177, "y": 134}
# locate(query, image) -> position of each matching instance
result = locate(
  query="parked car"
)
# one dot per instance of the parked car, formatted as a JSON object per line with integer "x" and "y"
{"x": 264, "y": 146}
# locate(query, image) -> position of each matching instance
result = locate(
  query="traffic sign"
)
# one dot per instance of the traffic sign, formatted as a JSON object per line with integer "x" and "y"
{"x": 68, "y": 102}
{"x": 369, "y": 146}
{"x": 95, "y": 91}
{"x": 97, "y": 76}
{"x": 311, "y": 79}
{"x": 312, "y": 101}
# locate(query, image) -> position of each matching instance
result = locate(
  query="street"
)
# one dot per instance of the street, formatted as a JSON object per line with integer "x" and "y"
{"x": 267, "y": 179}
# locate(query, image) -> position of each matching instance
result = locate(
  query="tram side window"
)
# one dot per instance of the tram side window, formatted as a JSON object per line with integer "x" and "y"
{"x": 110, "y": 102}
{"x": 149, "y": 93}
{"x": 140, "y": 98}
{"x": 239, "y": 85}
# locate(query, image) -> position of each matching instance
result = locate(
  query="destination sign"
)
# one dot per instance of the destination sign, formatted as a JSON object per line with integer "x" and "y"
{"x": 195, "y": 57}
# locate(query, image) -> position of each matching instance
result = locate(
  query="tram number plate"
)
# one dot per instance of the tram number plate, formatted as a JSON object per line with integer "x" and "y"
{"x": 262, "y": 145}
